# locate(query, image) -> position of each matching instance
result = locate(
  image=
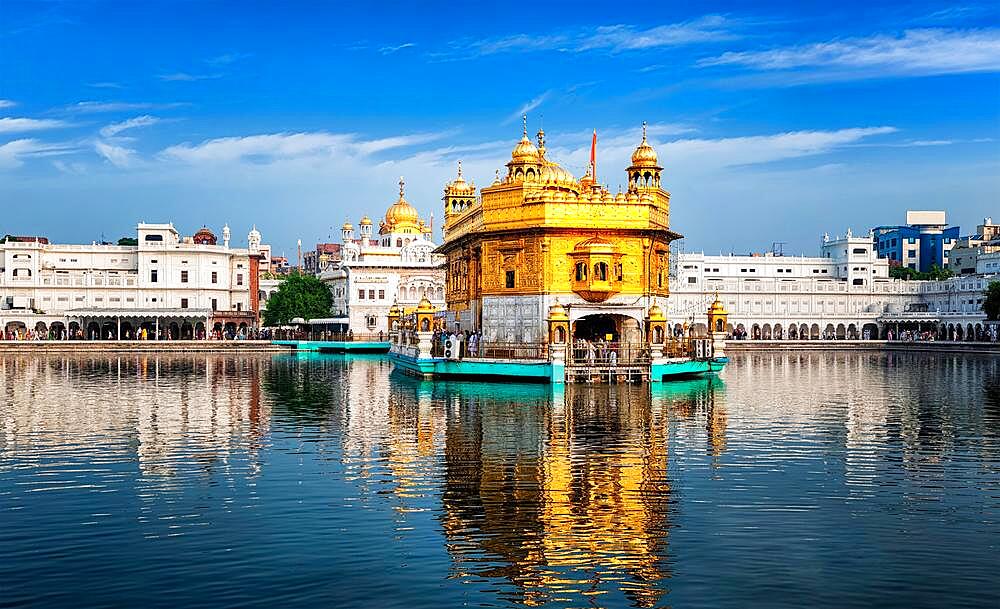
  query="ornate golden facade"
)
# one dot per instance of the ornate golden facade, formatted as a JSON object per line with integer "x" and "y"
{"x": 538, "y": 236}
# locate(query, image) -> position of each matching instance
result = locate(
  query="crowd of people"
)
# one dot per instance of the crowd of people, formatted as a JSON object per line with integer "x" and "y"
{"x": 466, "y": 344}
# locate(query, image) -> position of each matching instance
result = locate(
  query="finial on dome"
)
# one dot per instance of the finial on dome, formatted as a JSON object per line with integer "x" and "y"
{"x": 402, "y": 183}
{"x": 643, "y": 132}
{"x": 524, "y": 121}
{"x": 459, "y": 167}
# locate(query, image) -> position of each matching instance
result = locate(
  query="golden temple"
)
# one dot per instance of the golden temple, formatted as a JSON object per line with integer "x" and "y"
{"x": 539, "y": 237}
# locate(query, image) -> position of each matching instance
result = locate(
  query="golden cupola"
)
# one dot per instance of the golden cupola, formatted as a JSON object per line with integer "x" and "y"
{"x": 525, "y": 161}
{"x": 458, "y": 186}
{"x": 401, "y": 217}
{"x": 365, "y": 221}
{"x": 644, "y": 173}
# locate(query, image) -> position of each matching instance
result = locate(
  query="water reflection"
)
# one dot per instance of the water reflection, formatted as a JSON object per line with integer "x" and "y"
{"x": 705, "y": 492}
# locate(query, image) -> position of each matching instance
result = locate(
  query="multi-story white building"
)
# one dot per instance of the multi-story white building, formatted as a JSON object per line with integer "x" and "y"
{"x": 396, "y": 266}
{"x": 846, "y": 292}
{"x": 169, "y": 285}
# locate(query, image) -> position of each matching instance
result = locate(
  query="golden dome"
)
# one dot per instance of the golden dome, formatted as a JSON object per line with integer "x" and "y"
{"x": 644, "y": 154}
{"x": 655, "y": 313}
{"x": 525, "y": 150}
{"x": 717, "y": 308}
{"x": 557, "y": 312}
{"x": 555, "y": 174}
{"x": 347, "y": 226}
{"x": 425, "y": 306}
{"x": 459, "y": 186}
{"x": 366, "y": 221}
{"x": 401, "y": 214}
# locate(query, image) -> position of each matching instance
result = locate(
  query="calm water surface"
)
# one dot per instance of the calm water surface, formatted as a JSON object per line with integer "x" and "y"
{"x": 826, "y": 480}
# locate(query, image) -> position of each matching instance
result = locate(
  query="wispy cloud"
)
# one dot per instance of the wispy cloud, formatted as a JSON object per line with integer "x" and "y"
{"x": 914, "y": 53}
{"x": 6, "y": 103}
{"x": 22, "y": 125}
{"x": 140, "y": 121}
{"x": 388, "y": 50}
{"x": 267, "y": 148}
{"x": 119, "y": 156}
{"x": 95, "y": 107}
{"x": 186, "y": 77}
{"x": 612, "y": 38}
{"x": 226, "y": 59}
{"x": 13, "y": 153}
{"x": 528, "y": 107}
{"x": 106, "y": 85}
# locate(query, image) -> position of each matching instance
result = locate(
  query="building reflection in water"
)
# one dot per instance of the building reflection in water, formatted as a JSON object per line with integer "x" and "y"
{"x": 568, "y": 499}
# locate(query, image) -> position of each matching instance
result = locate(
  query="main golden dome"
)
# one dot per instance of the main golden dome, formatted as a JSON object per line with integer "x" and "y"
{"x": 644, "y": 154}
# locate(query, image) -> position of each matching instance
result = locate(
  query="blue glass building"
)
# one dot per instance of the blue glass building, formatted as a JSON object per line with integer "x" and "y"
{"x": 923, "y": 242}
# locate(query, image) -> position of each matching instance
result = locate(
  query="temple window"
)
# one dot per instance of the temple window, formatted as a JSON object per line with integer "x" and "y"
{"x": 509, "y": 279}
{"x": 601, "y": 271}
{"x": 581, "y": 271}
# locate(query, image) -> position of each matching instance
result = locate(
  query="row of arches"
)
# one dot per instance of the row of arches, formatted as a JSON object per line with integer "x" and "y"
{"x": 415, "y": 293}
{"x": 109, "y": 330}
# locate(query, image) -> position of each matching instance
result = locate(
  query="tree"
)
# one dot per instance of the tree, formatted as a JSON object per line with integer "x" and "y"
{"x": 298, "y": 295}
{"x": 128, "y": 241}
{"x": 991, "y": 304}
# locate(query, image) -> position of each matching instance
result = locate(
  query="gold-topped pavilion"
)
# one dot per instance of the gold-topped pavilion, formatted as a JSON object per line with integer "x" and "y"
{"x": 538, "y": 237}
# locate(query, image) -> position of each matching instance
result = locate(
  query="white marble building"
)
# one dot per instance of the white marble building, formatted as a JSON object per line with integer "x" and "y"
{"x": 845, "y": 292}
{"x": 395, "y": 266}
{"x": 169, "y": 283}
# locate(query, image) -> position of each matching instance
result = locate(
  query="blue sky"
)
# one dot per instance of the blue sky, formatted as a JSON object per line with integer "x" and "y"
{"x": 775, "y": 121}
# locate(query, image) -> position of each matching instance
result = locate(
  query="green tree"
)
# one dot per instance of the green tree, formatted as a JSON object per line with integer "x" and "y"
{"x": 298, "y": 295}
{"x": 128, "y": 241}
{"x": 991, "y": 304}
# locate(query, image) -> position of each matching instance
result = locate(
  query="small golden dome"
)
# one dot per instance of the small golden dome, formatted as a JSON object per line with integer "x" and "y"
{"x": 655, "y": 313}
{"x": 347, "y": 226}
{"x": 557, "y": 312}
{"x": 644, "y": 154}
{"x": 366, "y": 221}
{"x": 459, "y": 186}
{"x": 525, "y": 151}
{"x": 394, "y": 310}
{"x": 717, "y": 308}
{"x": 425, "y": 306}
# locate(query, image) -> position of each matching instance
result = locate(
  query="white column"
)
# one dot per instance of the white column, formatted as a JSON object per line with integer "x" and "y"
{"x": 156, "y": 328}
{"x": 118, "y": 336}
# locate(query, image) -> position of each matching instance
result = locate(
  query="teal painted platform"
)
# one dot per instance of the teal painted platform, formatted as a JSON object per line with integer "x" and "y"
{"x": 686, "y": 368}
{"x": 336, "y": 346}
{"x": 538, "y": 371}
{"x": 528, "y": 371}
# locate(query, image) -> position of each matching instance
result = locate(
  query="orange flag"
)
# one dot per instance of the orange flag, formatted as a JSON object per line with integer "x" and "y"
{"x": 593, "y": 156}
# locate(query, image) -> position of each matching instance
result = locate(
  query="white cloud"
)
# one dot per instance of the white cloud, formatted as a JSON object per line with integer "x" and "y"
{"x": 388, "y": 50}
{"x": 528, "y": 107}
{"x": 915, "y": 52}
{"x": 119, "y": 156}
{"x": 226, "y": 59}
{"x": 106, "y": 85}
{"x": 95, "y": 107}
{"x": 12, "y": 153}
{"x": 6, "y": 103}
{"x": 186, "y": 77}
{"x": 140, "y": 121}
{"x": 613, "y": 38}
{"x": 21, "y": 125}
{"x": 283, "y": 146}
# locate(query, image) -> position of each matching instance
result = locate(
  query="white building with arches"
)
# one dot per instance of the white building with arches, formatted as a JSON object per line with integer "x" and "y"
{"x": 396, "y": 265}
{"x": 844, "y": 293}
{"x": 171, "y": 285}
